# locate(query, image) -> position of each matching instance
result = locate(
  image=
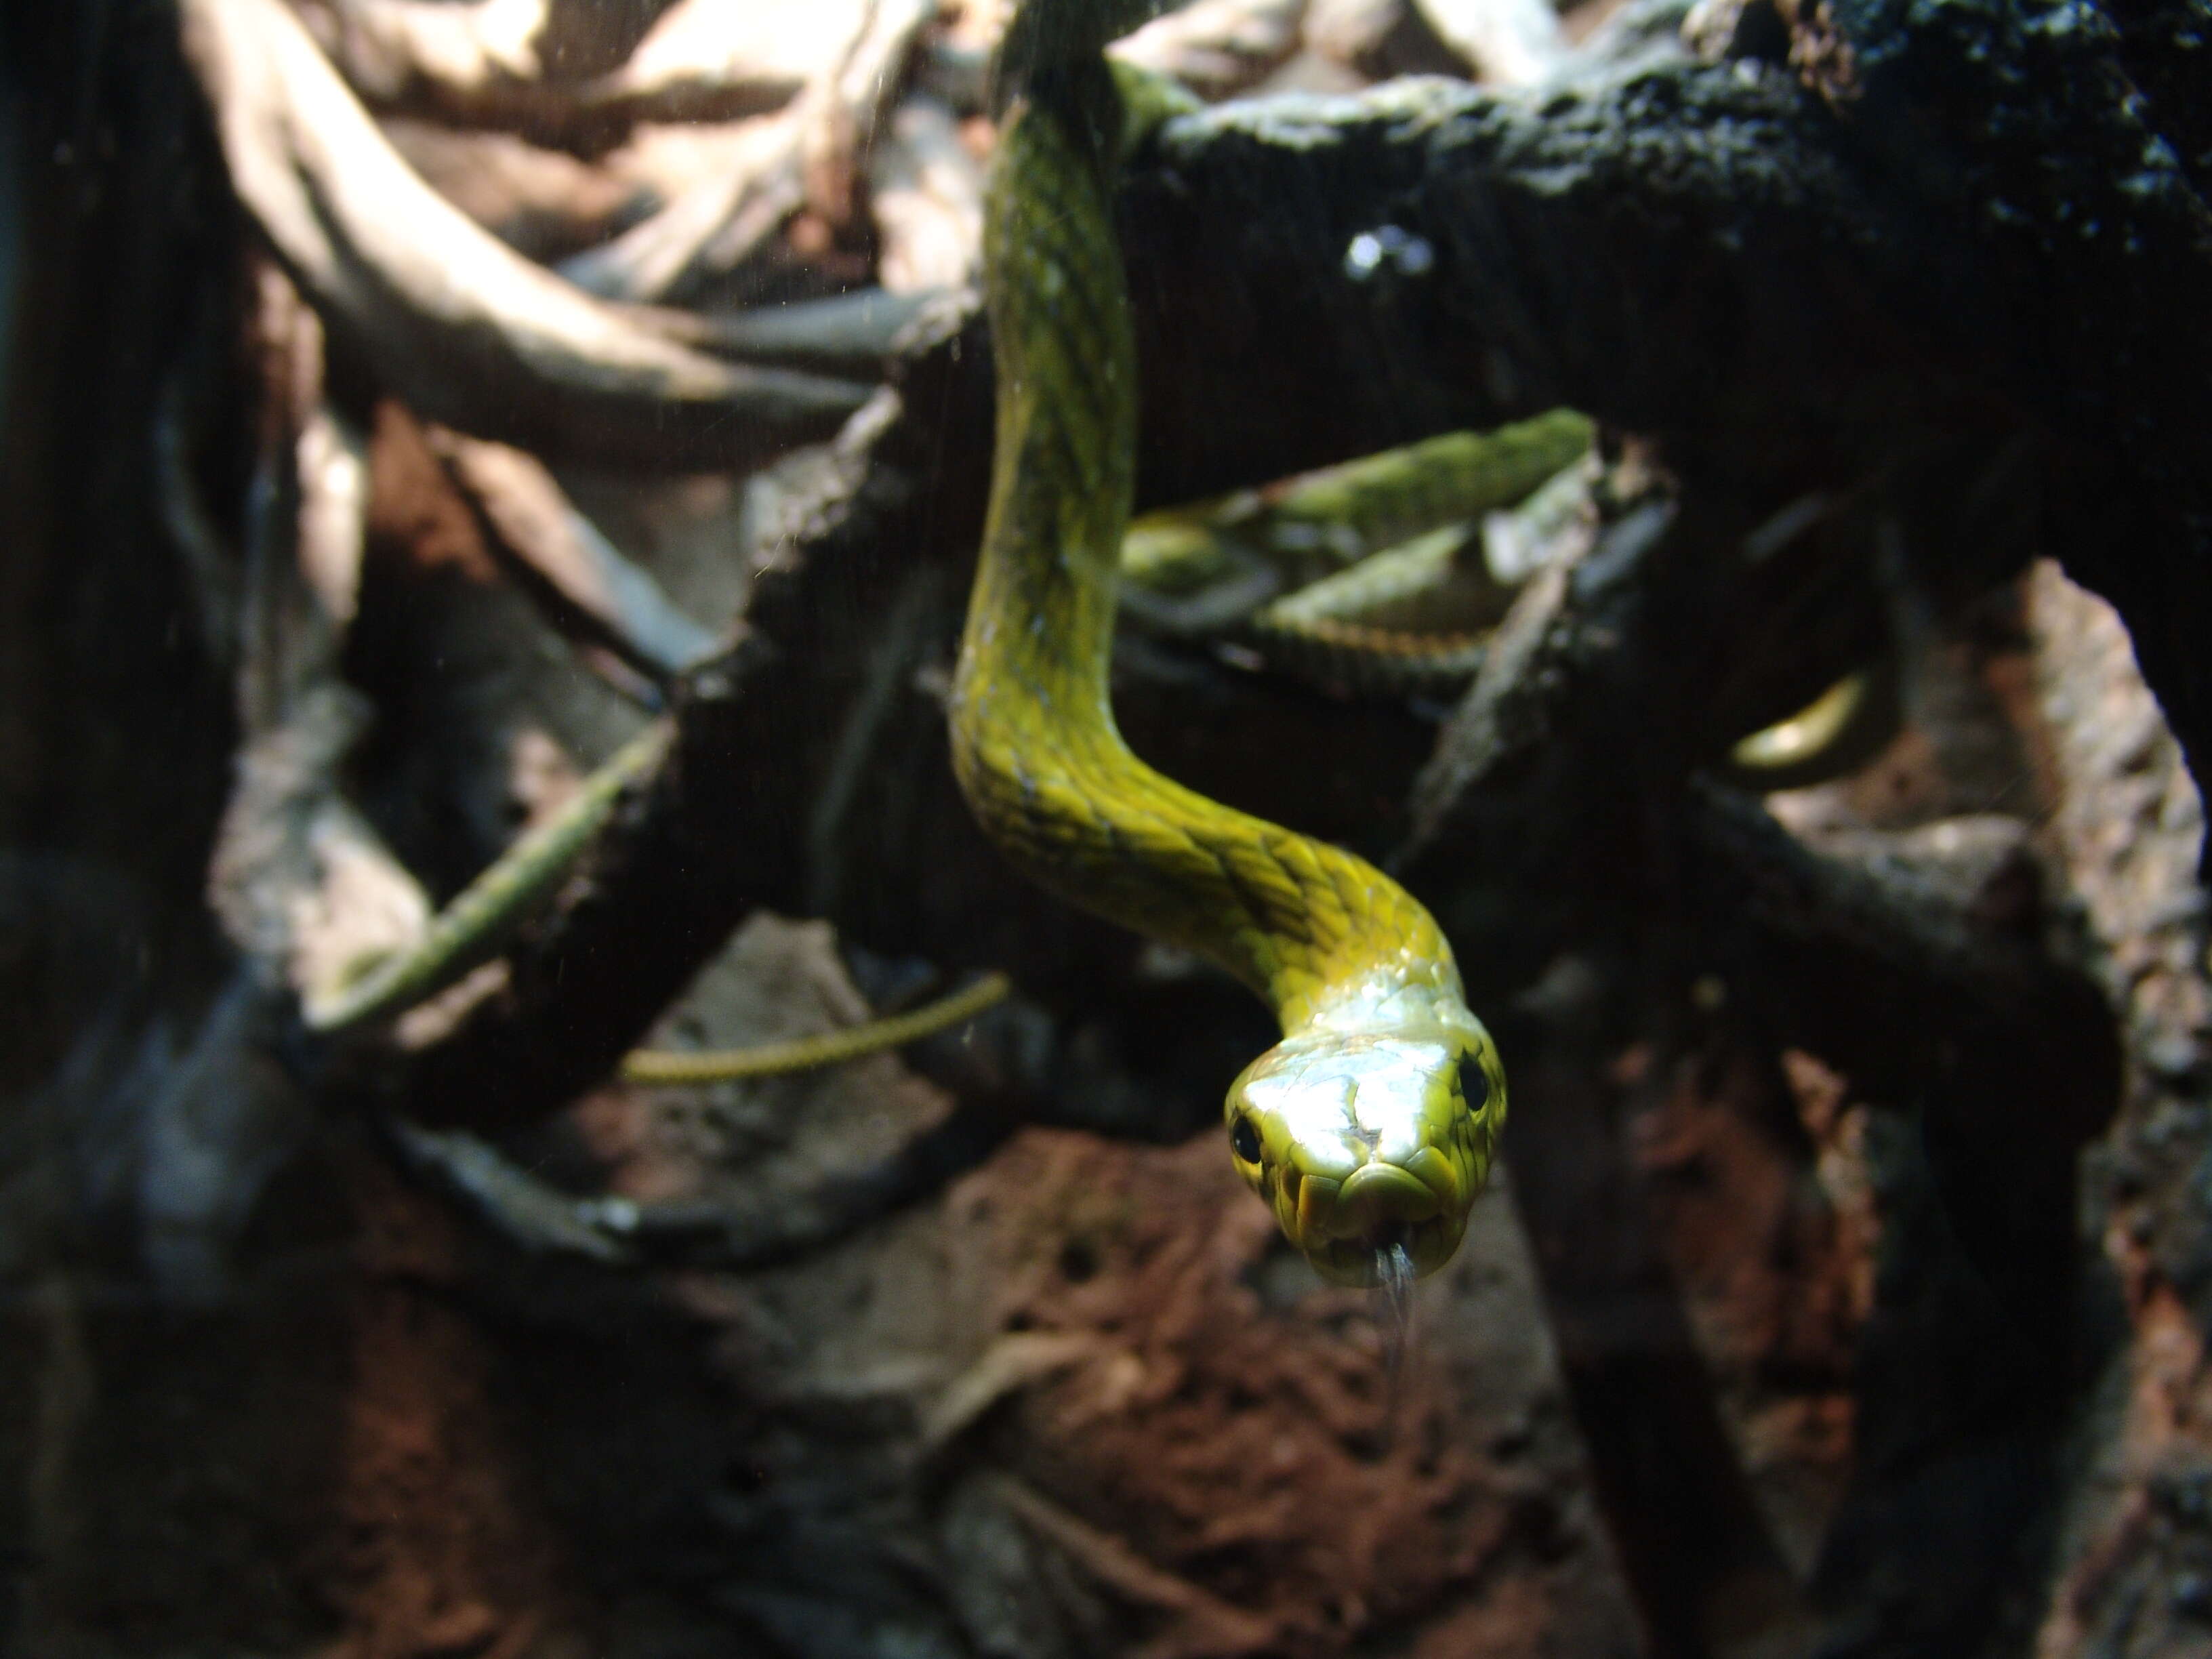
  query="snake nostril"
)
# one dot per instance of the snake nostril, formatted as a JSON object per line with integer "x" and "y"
{"x": 1244, "y": 1141}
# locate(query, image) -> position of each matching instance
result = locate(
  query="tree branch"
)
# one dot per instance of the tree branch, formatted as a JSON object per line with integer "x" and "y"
{"x": 467, "y": 332}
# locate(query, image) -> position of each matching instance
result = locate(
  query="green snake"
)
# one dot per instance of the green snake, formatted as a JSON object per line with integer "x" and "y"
{"x": 1370, "y": 1125}
{"x": 1393, "y": 595}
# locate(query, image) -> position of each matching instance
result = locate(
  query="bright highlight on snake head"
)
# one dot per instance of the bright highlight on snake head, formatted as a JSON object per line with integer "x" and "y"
{"x": 1370, "y": 1127}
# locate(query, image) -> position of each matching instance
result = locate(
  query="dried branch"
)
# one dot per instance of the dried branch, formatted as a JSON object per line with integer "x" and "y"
{"x": 1378, "y": 38}
{"x": 1218, "y": 1627}
{"x": 717, "y": 832}
{"x": 708, "y": 61}
{"x": 1507, "y": 43}
{"x": 390, "y": 49}
{"x": 809, "y": 156}
{"x": 785, "y": 1224}
{"x": 1685, "y": 1521}
{"x": 300, "y": 881}
{"x": 464, "y": 328}
{"x": 925, "y": 195}
{"x": 543, "y": 203}
{"x": 583, "y": 577}
{"x": 1217, "y": 48}
{"x": 211, "y": 562}
{"x": 856, "y": 335}
{"x": 573, "y": 72}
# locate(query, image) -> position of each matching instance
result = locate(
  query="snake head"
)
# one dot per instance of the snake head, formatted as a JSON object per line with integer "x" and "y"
{"x": 1363, "y": 1140}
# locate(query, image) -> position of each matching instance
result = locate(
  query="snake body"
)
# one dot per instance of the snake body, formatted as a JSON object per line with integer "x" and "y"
{"x": 1359, "y": 508}
{"x": 1370, "y": 1127}
{"x": 1392, "y": 593}
{"x": 807, "y": 1054}
{"x": 476, "y": 925}
{"x": 1349, "y": 629}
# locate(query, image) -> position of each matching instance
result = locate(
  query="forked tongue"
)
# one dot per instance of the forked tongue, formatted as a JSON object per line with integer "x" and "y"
{"x": 1393, "y": 1280}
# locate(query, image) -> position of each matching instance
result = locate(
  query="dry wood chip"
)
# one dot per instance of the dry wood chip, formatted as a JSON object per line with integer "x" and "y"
{"x": 1009, "y": 1365}
{"x": 1212, "y": 1627}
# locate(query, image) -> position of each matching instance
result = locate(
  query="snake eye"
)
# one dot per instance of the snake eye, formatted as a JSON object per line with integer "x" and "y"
{"x": 1473, "y": 1082}
{"x": 1244, "y": 1141}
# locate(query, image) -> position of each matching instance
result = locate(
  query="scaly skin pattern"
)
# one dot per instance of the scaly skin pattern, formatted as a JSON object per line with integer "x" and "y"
{"x": 1350, "y": 628}
{"x": 1389, "y": 623}
{"x": 1360, "y": 506}
{"x": 1370, "y": 1127}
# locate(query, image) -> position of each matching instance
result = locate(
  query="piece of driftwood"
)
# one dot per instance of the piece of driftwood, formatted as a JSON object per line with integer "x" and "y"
{"x": 703, "y": 61}
{"x": 591, "y": 588}
{"x": 810, "y": 154}
{"x": 925, "y": 197}
{"x": 1378, "y": 38}
{"x": 856, "y": 336}
{"x": 1506, "y": 43}
{"x": 300, "y": 881}
{"x": 787, "y": 1224}
{"x": 466, "y": 330}
{"x": 542, "y": 203}
{"x": 389, "y": 49}
{"x": 1685, "y": 1521}
{"x": 570, "y": 72}
{"x": 206, "y": 552}
{"x": 1217, "y": 48}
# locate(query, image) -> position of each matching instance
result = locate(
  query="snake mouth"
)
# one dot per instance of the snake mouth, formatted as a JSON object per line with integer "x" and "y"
{"x": 1363, "y": 1262}
{"x": 1348, "y": 1229}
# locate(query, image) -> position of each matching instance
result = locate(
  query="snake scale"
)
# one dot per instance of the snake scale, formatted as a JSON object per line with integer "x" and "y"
{"x": 1370, "y": 1125}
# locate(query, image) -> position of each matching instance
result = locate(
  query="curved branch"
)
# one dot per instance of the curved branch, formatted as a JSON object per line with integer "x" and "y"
{"x": 466, "y": 330}
{"x": 718, "y": 829}
{"x": 1787, "y": 287}
{"x": 810, "y": 154}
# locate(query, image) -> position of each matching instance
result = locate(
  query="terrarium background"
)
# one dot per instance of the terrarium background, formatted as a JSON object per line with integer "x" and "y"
{"x": 1794, "y": 1323}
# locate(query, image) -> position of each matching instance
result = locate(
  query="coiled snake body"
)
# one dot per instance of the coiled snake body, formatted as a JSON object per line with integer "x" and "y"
{"x": 1370, "y": 1127}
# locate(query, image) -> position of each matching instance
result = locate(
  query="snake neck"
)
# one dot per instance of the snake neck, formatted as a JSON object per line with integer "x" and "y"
{"x": 1328, "y": 940}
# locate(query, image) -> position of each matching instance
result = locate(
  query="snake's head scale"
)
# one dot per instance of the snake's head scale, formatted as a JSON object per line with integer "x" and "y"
{"x": 1363, "y": 1141}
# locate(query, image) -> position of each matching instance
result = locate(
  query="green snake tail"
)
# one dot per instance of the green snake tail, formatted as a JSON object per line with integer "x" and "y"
{"x": 476, "y": 925}
{"x": 808, "y": 1054}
